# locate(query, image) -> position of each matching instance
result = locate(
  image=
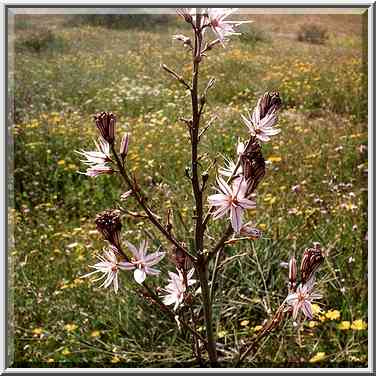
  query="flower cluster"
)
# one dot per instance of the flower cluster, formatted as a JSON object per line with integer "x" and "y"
{"x": 213, "y": 18}
{"x": 301, "y": 296}
{"x": 244, "y": 176}
{"x": 219, "y": 26}
{"x": 235, "y": 192}
{"x": 100, "y": 161}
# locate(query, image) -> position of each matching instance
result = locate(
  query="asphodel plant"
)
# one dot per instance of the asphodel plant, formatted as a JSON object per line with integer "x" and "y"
{"x": 192, "y": 280}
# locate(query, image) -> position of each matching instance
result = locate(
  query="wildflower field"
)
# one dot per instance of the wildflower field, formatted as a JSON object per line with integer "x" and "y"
{"x": 64, "y": 70}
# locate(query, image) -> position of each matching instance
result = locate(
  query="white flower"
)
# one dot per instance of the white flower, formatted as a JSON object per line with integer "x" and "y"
{"x": 229, "y": 168}
{"x": 302, "y": 298}
{"x": 261, "y": 128}
{"x": 142, "y": 263}
{"x": 109, "y": 266}
{"x": 232, "y": 200}
{"x": 177, "y": 287}
{"x": 97, "y": 160}
{"x": 220, "y": 27}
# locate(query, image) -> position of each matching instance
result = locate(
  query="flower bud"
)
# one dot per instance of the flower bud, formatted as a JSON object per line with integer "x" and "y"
{"x": 268, "y": 103}
{"x": 292, "y": 273}
{"x": 312, "y": 259}
{"x": 105, "y": 122}
{"x": 182, "y": 38}
{"x": 124, "y": 146}
{"x": 253, "y": 166}
{"x": 109, "y": 225}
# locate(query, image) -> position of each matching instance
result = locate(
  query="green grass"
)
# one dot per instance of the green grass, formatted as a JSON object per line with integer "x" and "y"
{"x": 57, "y": 89}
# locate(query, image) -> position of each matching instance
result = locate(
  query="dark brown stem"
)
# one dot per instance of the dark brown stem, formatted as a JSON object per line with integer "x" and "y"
{"x": 221, "y": 242}
{"x": 202, "y": 264}
{"x": 176, "y": 76}
{"x": 137, "y": 194}
{"x": 202, "y": 270}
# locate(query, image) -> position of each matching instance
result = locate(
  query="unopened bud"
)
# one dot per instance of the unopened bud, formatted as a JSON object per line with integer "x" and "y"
{"x": 124, "y": 146}
{"x": 182, "y": 38}
{"x": 253, "y": 165}
{"x": 312, "y": 259}
{"x": 269, "y": 102}
{"x": 205, "y": 177}
{"x": 109, "y": 225}
{"x": 105, "y": 122}
{"x": 292, "y": 273}
{"x": 212, "y": 44}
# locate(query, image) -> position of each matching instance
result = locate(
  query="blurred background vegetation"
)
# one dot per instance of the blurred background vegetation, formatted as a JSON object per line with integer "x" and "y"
{"x": 68, "y": 67}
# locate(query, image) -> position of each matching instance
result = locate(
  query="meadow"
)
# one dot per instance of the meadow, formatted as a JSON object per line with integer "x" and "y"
{"x": 315, "y": 189}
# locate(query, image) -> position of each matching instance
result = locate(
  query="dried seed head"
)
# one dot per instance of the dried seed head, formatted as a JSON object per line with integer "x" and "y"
{"x": 268, "y": 103}
{"x": 253, "y": 165}
{"x": 105, "y": 122}
{"x": 312, "y": 259}
{"x": 109, "y": 225}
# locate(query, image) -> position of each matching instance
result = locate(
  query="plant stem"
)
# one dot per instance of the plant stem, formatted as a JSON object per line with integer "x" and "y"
{"x": 202, "y": 264}
{"x": 207, "y": 305}
{"x": 266, "y": 329}
{"x": 194, "y": 138}
{"x": 141, "y": 200}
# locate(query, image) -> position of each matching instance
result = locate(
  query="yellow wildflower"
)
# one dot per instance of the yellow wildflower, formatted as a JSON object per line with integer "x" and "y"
{"x": 65, "y": 352}
{"x": 312, "y": 324}
{"x": 38, "y": 331}
{"x": 318, "y": 357}
{"x": 333, "y": 315}
{"x": 222, "y": 333}
{"x": 95, "y": 333}
{"x": 244, "y": 322}
{"x": 359, "y": 325}
{"x": 61, "y": 162}
{"x": 274, "y": 158}
{"x": 257, "y": 328}
{"x": 262, "y": 226}
{"x": 70, "y": 327}
{"x": 316, "y": 309}
{"x": 115, "y": 359}
{"x": 343, "y": 325}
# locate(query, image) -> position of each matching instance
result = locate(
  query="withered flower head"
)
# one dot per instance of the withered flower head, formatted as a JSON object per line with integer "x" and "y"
{"x": 253, "y": 166}
{"x": 109, "y": 225}
{"x": 269, "y": 102}
{"x": 312, "y": 259}
{"x": 105, "y": 122}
